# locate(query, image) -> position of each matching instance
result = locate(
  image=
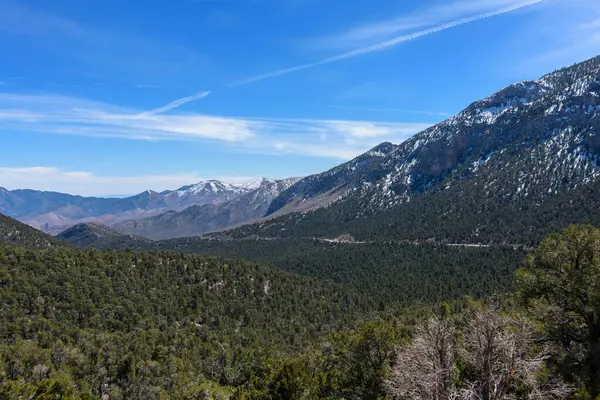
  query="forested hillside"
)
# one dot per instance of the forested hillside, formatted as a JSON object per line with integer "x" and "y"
{"x": 96, "y": 236}
{"x": 133, "y": 325}
{"x": 390, "y": 273}
{"x": 13, "y": 232}
{"x": 460, "y": 214}
{"x": 79, "y": 324}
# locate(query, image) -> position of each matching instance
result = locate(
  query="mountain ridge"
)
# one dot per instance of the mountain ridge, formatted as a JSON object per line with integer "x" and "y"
{"x": 515, "y": 149}
{"x": 523, "y": 145}
{"x": 200, "y": 219}
{"x": 54, "y": 212}
{"x": 15, "y": 233}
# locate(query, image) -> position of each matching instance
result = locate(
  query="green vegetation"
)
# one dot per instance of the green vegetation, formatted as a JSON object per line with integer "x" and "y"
{"x": 83, "y": 324}
{"x": 391, "y": 274}
{"x": 127, "y": 323}
{"x": 13, "y": 232}
{"x": 96, "y": 236}
{"x": 462, "y": 213}
{"x": 562, "y": 287}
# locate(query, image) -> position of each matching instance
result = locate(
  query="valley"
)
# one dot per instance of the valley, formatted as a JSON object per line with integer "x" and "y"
{"x": 464, "y": 257}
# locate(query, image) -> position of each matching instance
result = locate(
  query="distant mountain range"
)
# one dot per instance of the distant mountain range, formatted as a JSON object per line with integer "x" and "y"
{"x": 54, "y": 212}
{"x": 199, "y": 219}
{"x": 513, "y": 164}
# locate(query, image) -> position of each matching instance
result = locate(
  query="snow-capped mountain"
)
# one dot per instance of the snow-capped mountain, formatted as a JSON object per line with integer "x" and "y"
{"x": 541, "y": 136}
{"x": 200, "y": 219}
{"x": 55, "y": 212}
{"x": 533, "y": 138}
{"x": 525, "y": 150}
{"x": 255, "y": 184}
{"x": 205, "y": 192}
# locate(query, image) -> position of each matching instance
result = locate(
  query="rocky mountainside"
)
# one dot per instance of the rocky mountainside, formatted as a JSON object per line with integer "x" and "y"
{"x": 524, "y": 149}
{"x": 55, "y": 212}
{"x": 319, "y": 190}
{"x": 267, "y": 199}
{"x": 199, "y": 219}
{"x": 15, "y": 233}
{"x": 536, "y": 137}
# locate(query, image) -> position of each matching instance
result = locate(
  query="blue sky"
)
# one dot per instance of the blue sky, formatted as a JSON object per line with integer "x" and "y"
{"x": 105, "y": 97}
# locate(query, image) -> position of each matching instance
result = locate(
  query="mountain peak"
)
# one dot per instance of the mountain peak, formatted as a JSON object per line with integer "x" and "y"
{"x": 381, "y": 150}
{"x": 147, "y": 194}
{"x": 211, "y": 185}
{"x": 255, "y": 184}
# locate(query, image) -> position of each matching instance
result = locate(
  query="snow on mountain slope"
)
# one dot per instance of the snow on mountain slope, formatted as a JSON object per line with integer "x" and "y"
{"x": 199, "y": 219}
{"x": 549, "y": 129}
{"x": 255, "y": 184}
{"x": 494, "y": 169}
{"x": 55, "y": 212}
{"x": 319, "y": 190}
{"x": 204, "y": 192}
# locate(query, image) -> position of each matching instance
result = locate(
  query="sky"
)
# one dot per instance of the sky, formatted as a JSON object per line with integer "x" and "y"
{"x": 107, "y": 97}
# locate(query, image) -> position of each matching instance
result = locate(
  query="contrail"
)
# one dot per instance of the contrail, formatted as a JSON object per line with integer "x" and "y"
{"x": 176, "y": 103}
{"x": 386, "y": 44}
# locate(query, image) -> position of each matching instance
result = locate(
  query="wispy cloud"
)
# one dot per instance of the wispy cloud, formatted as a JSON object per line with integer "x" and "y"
{"x": 67, "y": 115}
{"x": 381, "y": 30}
{"x": 177, "y": 103}
{"x": 388, "y": 43}
{"x": 90, "y": 184}
{"x": 25, "y": 114}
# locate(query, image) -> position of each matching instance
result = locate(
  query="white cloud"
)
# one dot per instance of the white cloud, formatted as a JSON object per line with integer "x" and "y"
{"x": 89, "y": 184}
{"x": 64, "y": 115}
{"x": 177, "y": 103}
{"x": 381, "y": 30}
{"x": 590, "y": 25}
{"x": 370, "y": 129}
{"x": 26, "y": 114}
{"x": 316, "y": 150}
{"x": 388, "y": 43}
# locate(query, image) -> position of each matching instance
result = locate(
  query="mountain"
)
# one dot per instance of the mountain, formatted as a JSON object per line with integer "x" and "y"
{"x": 266, "y": 198}
{"x": 55, "y": 212}
{"x": 497, "y": 171}
{"x": 319, "y": 190}
{"x": 15, "y": 233}
{"x": 92, "y": 235}
{"x": 199, "y": 219}
{"x": 205, "y": 192}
